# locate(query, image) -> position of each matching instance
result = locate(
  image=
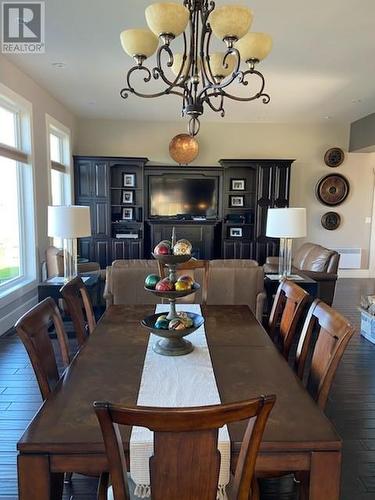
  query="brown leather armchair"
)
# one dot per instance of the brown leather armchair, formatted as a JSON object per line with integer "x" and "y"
{"x": 317, "y": 262}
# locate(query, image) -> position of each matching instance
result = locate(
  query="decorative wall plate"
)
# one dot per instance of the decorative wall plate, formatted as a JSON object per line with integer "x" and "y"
{"x": 332, "y": 189}
{"x": 334, "y": 157}
{"x": 331, "y": 221}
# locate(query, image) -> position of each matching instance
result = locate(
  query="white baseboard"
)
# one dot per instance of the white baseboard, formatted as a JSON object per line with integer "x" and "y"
{"x": 354, "y": 273}
{"x": 9, "y": 320}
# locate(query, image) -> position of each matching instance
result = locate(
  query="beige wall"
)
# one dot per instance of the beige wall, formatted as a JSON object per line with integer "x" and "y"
{"x": 305, "y": 143}
{"x": 42, "y": 103}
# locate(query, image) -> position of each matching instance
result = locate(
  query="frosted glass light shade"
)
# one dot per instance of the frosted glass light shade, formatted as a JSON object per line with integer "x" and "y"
{"x": 254, "y": 46}
{"x": 69, "y": 221}
{"x": 230, "y": 21}
{"x": 218, "y": 68}
{"x": 167, "y": 17}
{"x": 139, "y": 42}
{"x": 286, "y": 222}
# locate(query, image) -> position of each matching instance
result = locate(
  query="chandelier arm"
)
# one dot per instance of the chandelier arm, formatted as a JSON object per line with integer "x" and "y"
{"x": 227, "y": 81}
{"x": 158, "y": 70}
{"x": 130, "y": 89}
{"x": 220, "y": 108}
{"x": 205, "y": 50}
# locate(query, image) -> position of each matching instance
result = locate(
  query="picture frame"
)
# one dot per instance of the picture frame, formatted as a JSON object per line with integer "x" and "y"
{"x": 238, "y": 184}
{"x": 127, "y": 197}
{"x": 235, "y": 232}
{"x": 128, "y": 180}
{"x": 237, "y": 201}
{"x": 127, "y": 213}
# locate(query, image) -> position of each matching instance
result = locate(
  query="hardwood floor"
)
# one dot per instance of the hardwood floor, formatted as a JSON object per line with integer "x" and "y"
{"x": 351, "y": 407}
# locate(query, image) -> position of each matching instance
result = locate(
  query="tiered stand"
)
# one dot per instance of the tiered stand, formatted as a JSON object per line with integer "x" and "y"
{"x": 172, "y": 342}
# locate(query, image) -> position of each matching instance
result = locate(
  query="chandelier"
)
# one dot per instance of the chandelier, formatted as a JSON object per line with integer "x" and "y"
{"x": 200, "y": 77}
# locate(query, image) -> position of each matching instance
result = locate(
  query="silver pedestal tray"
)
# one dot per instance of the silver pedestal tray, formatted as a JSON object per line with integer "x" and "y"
{"x": 172, "y": 342}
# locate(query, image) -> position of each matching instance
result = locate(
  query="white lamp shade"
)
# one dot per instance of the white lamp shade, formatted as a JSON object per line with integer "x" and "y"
{"x": 286, "y": 222}
{"x": 69, "y": 221}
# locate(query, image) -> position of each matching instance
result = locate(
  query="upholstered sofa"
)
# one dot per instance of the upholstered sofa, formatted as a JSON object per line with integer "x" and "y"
{"x": 317, "y": 262}
{"x": 229, "y": 282}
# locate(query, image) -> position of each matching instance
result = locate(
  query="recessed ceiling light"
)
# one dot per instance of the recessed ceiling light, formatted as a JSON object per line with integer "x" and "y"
{"x": 356, "y": 101}
{"x": 328, "y": 117}
{"x": 58, "y": 65}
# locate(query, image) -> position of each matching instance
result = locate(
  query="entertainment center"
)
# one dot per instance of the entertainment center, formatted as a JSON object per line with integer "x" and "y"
{"x": 221, "y": 209}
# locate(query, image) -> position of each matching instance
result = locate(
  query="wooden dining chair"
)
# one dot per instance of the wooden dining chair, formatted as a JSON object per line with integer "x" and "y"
{"x": 189, "y": 266}
{"x": 32, "y": 329}
{"x": 80, "y": 308}
{"x": 333, "y": 334}
{"x": 288, "y": 306}
{"x": 185, "y": 445}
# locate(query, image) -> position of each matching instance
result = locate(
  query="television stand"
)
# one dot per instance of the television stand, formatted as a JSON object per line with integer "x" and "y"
{"x": 204, "y": 235}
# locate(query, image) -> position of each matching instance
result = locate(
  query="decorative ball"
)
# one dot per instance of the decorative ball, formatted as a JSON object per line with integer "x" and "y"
{"x": 151, "y": 281}
{"x": 162, "y": 324}
{"x": 165, "y": 285}
{"x": 187, "y": 278}
{"x": 183, "y": 149}
{"x": 182, "y": 247}
{"x": 176, "y": 324}
{"x": 166, "y": 242}
{"x": 162, "y": 249}
{"x": 182, "y": 286}
{"x": 186, "y": 319}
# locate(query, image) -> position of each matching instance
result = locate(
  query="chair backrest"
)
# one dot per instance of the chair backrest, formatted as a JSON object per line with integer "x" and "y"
{"x": 32, "y": 328}
{"x": 185, "y": 445}
{"x": 333, "y": 334}
{"x": 288, "y": 306}
{"x": 80, "y": 308}
{"x": 189, "y": 268}
{"x": 313, "y": 257}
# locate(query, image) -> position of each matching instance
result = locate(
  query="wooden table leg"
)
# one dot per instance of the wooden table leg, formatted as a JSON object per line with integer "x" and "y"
{"x": 35, "y": 481}
{"x": 325, "y": 475}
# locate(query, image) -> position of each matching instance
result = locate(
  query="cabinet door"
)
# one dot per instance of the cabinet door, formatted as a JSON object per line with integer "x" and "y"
{"x": 281, "y": 186}
{"x": 127, "y": 249}
{"x": 100, "y": 179}
{"x": 84, "y": 248}
{"x": 84, "y": 179}
{"x": 238, "y": 249}
{"x": 100, "y": 218}
{"x": 101, "y": 252}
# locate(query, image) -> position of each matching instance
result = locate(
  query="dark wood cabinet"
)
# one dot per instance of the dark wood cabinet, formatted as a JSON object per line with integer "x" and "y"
{"x": 128, "y": 249}
{"x": 239, "y": 232}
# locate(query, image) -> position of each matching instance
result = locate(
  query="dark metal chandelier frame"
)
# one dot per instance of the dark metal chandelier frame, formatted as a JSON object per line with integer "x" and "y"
{"x": 195, "y": 83}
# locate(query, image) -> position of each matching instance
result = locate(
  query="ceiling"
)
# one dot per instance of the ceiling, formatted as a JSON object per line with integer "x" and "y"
{"x": 322, "y": 66}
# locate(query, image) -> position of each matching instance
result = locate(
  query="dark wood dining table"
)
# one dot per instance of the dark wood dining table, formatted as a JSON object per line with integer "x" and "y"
{"x": 64, "y": 435}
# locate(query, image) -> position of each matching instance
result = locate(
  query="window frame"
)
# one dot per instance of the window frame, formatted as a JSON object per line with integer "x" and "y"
{"x": 22, "y": 154}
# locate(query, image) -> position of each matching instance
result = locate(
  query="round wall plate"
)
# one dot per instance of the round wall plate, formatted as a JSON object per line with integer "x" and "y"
{"x": 331, "y": 221}
{"x": 332, "y": 189}
{"x": 334, "y": 157}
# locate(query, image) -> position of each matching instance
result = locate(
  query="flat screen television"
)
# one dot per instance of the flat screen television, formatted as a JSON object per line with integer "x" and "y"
{"x": 173, "y": 195}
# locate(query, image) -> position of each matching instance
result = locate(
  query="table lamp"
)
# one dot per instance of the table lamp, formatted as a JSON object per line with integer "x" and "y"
{"x": 286, "y": 223}
{"x": 69, "y": 222}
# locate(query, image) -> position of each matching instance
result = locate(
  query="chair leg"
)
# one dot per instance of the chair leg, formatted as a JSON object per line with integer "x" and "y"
{"x": 68, "y": 477}
{"x": 103, "y": 486}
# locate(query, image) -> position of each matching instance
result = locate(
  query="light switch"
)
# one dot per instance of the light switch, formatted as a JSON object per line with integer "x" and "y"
{"x": 367, "y": 220}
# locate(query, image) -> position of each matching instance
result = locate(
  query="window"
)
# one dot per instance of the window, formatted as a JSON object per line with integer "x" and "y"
{"x": 17, "y": 238}
{"x": 59, "y": 161}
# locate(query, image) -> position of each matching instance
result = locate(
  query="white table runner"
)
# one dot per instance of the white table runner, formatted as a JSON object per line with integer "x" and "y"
{"x": 163, "y": 378}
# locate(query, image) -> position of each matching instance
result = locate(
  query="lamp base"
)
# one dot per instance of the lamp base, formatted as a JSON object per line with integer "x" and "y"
{"x": 285, "y": 258}
{"x": 70, "y": 259}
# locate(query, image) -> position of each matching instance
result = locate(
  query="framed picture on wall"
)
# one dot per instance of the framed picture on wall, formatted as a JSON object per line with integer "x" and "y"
{"x": 128, "y": 196}
{"x": 235, "y": 232}
{"x": 237, "y": 184}
{"x": 236, "y": 201}
{"x": 128, "y": 180}
{"x": 127, "y": 214}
